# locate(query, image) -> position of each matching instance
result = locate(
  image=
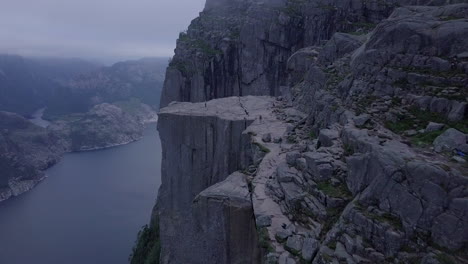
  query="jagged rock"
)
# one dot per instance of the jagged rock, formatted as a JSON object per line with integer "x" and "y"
{"x": 283, "y": 234}
{"x": 319, "y": 165}
{"x": 284, "y": 173}
{"x": 316, "y": 207}
{"x": 431, "y": 127}
{"x": 291, "y": 158}
{"x": 342, "y": 254}
{"x": 361, "y": 120}
{"x": 263, "y": 221}
{"x": 294, "y": 244}
{"x": 449, "y": 140}
{"x": 458, "y": 111}
{"x": 292, "y": 192}
{"x": 309, "y": 248}
{"x": 327, "y": 136}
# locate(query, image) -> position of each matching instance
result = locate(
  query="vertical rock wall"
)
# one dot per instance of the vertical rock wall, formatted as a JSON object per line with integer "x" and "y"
{"x": 202, "y": 145}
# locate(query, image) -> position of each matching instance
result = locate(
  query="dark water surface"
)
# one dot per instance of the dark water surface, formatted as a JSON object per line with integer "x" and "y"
{"x": 88, "y": 211}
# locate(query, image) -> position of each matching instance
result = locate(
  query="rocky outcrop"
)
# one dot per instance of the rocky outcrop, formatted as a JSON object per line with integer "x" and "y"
{"x": 25, "y": 151}
{"x": 202, "y": 145}
{"x": 360, "y": 160}
{"x": 238, "y": 48}
{"x": 105, "y": 125}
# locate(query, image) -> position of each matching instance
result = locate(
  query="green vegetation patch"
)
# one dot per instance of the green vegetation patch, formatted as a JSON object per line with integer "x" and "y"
{"x": 340, "y": 191}
{"x": 445, "y": 259}
{"x": 264, "y": 239}
{"x": 148, "y": 246}
{"x": 425, "y": 139}
{"x": 262, "y": 148}
{"x": 384, "y": 218}
{"x": 419, "y": 119}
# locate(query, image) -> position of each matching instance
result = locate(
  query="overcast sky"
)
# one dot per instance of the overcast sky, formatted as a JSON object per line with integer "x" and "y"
{"x": 99, "y": 29}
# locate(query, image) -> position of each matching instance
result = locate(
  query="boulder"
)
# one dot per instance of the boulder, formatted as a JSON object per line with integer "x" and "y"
{"x": 449, "y": 140}
{"x": 283, "y": 234}
{"x": 294, "y": 244}
{"x": 309, "y": 248}
{"x": 263, "y": 221}
{"x": 431, "y": 127}
{"x": 284, "y": 173}
{"x": 292, "y": 157}
{"x": 327, "y": 136}
{"x": 361, "y": 120}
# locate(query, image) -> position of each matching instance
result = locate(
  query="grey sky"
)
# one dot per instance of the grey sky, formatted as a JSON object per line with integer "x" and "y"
{"x": 101, "y": 29}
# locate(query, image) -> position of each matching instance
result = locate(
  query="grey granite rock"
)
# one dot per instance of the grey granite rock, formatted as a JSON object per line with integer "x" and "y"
{"x": 449, "y": 140}
{"x": 294, "y": 244}
{"x": 431, "y": 127}
{"x": 292, "y": 157}
{"x": 309, "y": 248}
{"x": 327, "y": 136}
{"x": 221, "y": 237}
{"x": 185, "y": 158}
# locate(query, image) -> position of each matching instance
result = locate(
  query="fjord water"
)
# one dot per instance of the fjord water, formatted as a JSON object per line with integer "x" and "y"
{"x": 88, "y": 210}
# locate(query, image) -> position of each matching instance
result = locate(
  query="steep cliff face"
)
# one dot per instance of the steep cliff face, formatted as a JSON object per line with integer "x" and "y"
{"x": 202, "y": 145}
{"x": 238, "y": 48}
{"x": 362, "y": 159}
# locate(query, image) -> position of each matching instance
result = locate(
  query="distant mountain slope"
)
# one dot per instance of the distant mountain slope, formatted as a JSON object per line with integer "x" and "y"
{"x": 21, "y": 89}
{"x": 27, "y": 83}
{"x": 68, "y": 86}
{"x": 142, "y": 79}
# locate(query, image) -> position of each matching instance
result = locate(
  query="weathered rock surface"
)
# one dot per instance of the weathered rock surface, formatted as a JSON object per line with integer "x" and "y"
{"x": 202, "y": 145}
{"x": 349, "y": 175}
{"x": 450, "y": 140}
{"x": 224, "y": 224}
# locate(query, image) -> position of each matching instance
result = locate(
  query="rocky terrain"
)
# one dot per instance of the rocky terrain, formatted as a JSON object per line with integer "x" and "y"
{"x": 139, "y": 79}
{"x": 25, "y": 151}
{"x": 105, "y": 125}
{"x": 358, "y": 156}
{"x": 91, "y": 108}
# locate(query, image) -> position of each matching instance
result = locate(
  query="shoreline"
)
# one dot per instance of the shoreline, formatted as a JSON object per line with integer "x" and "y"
{"x": 7, "y": 193}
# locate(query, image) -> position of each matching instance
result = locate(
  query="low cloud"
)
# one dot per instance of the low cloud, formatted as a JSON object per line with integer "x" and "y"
{"x": 94, "y": 29}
